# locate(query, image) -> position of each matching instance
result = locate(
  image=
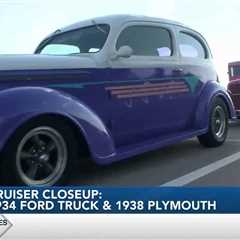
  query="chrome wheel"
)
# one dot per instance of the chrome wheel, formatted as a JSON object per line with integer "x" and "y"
{"x": 41, "y": 157}
{"x": 219, "y": 121}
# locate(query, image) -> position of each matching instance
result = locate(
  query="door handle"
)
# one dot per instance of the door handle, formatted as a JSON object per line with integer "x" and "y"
{"x": 180, "y": 70}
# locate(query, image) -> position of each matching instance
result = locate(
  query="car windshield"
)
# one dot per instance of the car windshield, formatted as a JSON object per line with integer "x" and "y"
{"x": 235, "y": 71}
{"x": 84, "y": 40}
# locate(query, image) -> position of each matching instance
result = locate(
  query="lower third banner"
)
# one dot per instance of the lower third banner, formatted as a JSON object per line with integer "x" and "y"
{"x": 119, "y": 200}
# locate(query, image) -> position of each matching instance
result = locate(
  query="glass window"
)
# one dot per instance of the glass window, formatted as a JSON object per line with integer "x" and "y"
{"x": 84, "y": 40}
{"x": 191, "y": 47}
{"x": 235, "y": 71}
{"x": 146, "y": 41}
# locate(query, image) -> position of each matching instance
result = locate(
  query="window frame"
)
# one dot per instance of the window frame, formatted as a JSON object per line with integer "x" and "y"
{"x": 163, "y": 26}
{"x": 197, "y": 38}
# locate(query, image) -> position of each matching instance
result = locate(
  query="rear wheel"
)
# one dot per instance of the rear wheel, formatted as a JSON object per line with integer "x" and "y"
{"x": 218, "y": 125}
{"x": 39, "y": 154}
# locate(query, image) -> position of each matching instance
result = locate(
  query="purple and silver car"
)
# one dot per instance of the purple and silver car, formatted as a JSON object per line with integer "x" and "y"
{"x": 113, "y": 87}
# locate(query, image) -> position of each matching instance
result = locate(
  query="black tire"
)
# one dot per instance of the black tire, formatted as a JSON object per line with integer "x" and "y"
{"x": 17, "y": 166}
{"x": 217, "y": 133}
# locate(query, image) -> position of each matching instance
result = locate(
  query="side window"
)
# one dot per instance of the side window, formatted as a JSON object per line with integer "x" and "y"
{"x": 191, "y": 47}
{"x": 235, "y": 71}
{"x": 146, "y": 41}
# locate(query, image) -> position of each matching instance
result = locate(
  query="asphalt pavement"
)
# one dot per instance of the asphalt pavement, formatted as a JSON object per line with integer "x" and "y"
{"x": 184, "y": 164}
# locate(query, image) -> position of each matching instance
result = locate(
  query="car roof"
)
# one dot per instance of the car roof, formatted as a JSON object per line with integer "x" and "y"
{"x": 119, "y": 20}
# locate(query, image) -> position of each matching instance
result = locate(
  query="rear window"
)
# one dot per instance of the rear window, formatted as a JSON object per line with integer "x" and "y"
{"x": 191, "y": 47}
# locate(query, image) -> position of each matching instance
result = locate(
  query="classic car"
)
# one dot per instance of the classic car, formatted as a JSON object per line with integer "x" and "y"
{"x": 234, "y": 85}
{"x": 112, "y": 87}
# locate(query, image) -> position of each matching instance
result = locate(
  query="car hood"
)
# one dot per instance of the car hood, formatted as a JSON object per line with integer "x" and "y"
{"x": 41, "y": 62}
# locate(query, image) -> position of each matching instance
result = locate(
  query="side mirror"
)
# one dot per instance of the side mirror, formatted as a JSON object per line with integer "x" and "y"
{"x": 124, "y": 52}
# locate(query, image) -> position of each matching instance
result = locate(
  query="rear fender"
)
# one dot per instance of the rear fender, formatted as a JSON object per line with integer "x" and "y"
{"x": 211, "y": 91}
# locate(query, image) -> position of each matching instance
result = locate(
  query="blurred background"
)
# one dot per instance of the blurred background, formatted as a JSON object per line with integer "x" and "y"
{"x": 24, "y": 23}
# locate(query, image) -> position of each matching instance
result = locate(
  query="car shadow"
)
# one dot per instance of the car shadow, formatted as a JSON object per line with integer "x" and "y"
{"x": 131, "y": 171}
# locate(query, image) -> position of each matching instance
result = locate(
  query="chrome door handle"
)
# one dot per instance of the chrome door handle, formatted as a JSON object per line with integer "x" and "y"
{"x": 178, "y": 70}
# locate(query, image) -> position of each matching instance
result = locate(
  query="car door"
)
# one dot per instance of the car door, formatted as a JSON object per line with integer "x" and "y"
{"x": 147, "y": 91}
{"x": 197, "y": 68}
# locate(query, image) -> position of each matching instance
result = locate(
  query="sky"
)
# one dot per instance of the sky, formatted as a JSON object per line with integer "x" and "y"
{"x": 24, "y": 23}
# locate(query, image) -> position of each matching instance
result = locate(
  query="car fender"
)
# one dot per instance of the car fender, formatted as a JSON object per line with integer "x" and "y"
{"x": 19, "y": 105}
{"x": 211, "y": 90}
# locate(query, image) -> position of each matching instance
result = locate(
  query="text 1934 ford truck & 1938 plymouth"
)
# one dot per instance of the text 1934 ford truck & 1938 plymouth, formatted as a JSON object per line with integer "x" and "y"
{"x": 115, "y": 86}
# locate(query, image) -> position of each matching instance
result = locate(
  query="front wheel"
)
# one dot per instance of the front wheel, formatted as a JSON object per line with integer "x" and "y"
{"x": 218, "y": 125}
{"x": 39, "y": 154}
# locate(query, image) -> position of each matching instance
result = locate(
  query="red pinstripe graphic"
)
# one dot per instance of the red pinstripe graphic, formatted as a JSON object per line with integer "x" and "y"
{"x": 148, "y": 89}
{"x": 152, "y": 93}
{"x": 146, "y": 85}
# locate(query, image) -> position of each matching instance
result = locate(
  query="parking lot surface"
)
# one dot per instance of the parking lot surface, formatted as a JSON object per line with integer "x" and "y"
{"x": 183, "y": 164}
